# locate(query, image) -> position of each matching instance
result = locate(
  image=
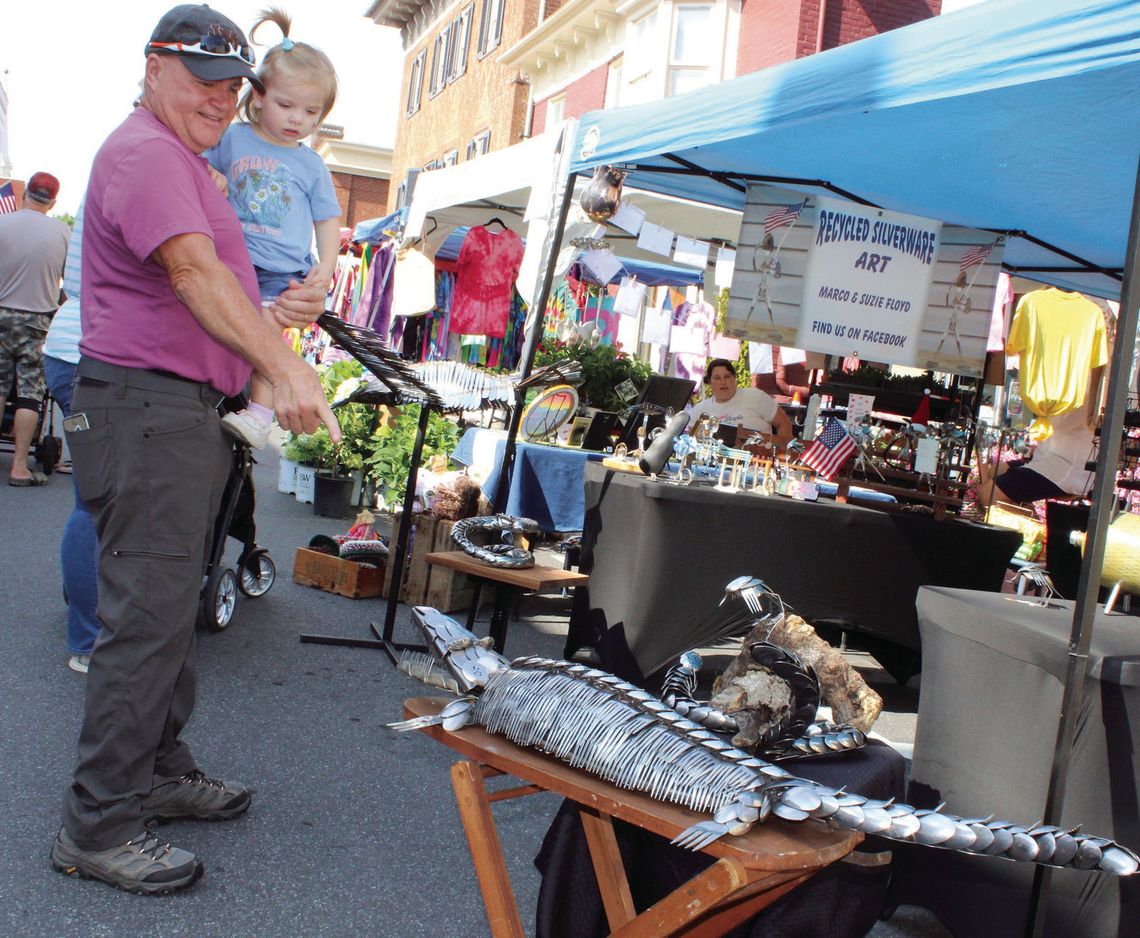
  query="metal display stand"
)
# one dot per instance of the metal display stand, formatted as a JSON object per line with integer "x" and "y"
{"x": 397, "y": 384}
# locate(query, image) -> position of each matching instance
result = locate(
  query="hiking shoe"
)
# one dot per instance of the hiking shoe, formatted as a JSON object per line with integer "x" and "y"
{"x": 196, "y": 796}
{"x": 246, "y": 427}
{"x": 143, "y": 864}
{"x": 79, "y": 663}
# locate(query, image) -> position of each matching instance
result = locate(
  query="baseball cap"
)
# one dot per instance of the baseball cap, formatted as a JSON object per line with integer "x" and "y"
{"x": 210, "y": 45}
{"x": 42, "y": 188}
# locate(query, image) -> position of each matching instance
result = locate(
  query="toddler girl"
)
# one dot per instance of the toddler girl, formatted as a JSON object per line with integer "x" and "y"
{"x": 281, "y": 189}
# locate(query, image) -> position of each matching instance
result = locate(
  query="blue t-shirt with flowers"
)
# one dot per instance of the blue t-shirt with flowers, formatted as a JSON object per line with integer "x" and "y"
{"x": 278, "y": 193}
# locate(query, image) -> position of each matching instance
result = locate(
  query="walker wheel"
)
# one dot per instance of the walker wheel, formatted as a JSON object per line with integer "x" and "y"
{"x": 258, "y": 574}
{"x": 216, "y": 609}
{"x": 47, "y": 454}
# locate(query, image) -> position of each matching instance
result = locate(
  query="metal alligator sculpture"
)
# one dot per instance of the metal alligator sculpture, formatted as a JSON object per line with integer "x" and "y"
{"x": 601, "y": 724}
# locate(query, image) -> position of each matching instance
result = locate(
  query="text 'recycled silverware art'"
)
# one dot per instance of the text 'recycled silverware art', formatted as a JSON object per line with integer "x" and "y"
{"x": 597, "y": 722}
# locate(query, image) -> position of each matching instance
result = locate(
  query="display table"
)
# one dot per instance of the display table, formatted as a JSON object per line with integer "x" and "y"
{"x": 509, "y": 583}
{"x": 987, "y": 725}
{"x": 660, "y": 555}
{"x": 546, "y": 485}
{"x": 749, "y": 872}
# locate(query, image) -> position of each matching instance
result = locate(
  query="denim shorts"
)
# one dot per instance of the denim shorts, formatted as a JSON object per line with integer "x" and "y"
{"x": 272, "y": 283}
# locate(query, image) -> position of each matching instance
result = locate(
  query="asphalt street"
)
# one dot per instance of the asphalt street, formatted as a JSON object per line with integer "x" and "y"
{"x": 353, "y": 828}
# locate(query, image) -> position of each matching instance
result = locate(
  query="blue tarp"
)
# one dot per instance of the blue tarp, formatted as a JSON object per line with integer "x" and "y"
{"x": 1010, "y": 114}
{"x": 650, "y": 274}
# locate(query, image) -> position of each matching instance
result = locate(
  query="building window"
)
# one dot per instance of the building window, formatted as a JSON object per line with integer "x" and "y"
{"x": 613, "y": 83}
{"x": 450, "y": 158}
{"x": 401, "y": 195}
{"x": 439, "y": 61}
{"x": 416, "y": 83}
{"x": 490, "y": 25}
{"x": 460, "y": 42}
{"x": 693, "y": 47}
{"x": 479, "y": 145}
{"x": 555, "y": 112}
{"x": 642, "y": 52}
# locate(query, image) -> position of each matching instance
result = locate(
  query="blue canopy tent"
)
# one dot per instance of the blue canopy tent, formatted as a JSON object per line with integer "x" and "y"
{"x": 1011, "y": 115}
{"x": 1015, "y": 116}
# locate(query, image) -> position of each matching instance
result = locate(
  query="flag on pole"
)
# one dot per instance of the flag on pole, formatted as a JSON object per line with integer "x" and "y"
{"x": 975, "y": 255}
{"x": 784, "y": 215}
{"x": 7, "y": 199}
{"x": 830, "y": 450}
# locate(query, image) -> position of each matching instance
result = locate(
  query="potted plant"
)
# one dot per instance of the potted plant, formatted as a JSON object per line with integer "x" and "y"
{"x": 604, "y": 370}
{"x": 390, "y": 458}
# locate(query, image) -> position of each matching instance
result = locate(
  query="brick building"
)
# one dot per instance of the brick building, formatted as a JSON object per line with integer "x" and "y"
{"x": 483, "y": 74}
{"x": 361, "y": 174}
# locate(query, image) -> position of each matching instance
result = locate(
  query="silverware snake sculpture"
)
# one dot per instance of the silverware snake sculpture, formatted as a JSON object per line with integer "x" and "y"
{"x": 594, "y": 721}
{"x": 504, "y": 554}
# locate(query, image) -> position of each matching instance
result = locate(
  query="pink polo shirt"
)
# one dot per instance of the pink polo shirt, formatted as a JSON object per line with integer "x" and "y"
{"x": 147, "y": 187}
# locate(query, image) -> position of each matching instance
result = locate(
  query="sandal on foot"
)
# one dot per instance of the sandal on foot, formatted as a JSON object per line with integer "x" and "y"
{"x": 36, "y": 478}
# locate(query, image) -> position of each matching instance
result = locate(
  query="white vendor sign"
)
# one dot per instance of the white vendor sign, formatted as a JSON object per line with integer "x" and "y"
{"x": 819, "y": 273}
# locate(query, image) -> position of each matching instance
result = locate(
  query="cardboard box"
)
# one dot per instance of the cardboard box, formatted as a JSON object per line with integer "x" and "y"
{"x": 333, "y": 575}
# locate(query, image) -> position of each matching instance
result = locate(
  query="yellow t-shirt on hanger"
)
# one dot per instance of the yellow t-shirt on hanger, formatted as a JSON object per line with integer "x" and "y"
{"x": 1060, "y": 337}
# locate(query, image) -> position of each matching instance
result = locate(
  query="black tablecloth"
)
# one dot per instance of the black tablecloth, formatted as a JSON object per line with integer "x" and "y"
{"x": 987, "y": 724}
{"x": 659, "y": 556}
{"x": 842, "y": 901}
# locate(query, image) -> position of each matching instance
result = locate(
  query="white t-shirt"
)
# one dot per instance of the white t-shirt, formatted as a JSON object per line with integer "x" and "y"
{"x": 748, "y": 407}
{"x": 1061, "y": 458}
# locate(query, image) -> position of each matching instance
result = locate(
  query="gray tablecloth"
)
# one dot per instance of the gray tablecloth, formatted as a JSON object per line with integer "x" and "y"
{"x": 660, "y": 555}
{"x": 987, "y": 724}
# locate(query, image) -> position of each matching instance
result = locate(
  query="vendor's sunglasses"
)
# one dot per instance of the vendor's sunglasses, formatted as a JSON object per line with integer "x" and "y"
{"x": 210, "y": 45}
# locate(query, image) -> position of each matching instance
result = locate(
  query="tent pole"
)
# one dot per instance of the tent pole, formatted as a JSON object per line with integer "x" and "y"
{"x": 534, "y": 336}
{"x": 1088, "y": 588}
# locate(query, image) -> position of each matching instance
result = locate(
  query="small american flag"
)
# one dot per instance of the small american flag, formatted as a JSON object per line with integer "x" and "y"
{"x": 830, "y": 450}
{"x": 784, "y": 215}
{"x": 7, "y": 199}
{"x": 975, "y": 255}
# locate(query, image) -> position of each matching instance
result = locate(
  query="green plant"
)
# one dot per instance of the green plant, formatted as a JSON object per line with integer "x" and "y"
{"x": 356, "y": 427}
{"x": 390, "y": 459}
{"x": 604, "y": 367}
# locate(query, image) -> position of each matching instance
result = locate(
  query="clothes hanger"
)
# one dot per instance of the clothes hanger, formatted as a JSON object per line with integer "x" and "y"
{"x": 495, "y": 219}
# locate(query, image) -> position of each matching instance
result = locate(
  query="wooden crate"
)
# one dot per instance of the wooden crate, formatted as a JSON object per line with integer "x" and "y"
{"x": 333, "y": 575}
{"x": 424, "y": 585}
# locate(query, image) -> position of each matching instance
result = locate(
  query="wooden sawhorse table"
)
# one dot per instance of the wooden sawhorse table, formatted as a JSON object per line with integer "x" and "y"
{"x": 750, "y": 874}
{"x": 509, "y": 582}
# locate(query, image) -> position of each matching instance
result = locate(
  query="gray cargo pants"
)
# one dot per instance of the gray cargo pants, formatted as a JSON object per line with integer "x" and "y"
{"x": 152, "y": 465}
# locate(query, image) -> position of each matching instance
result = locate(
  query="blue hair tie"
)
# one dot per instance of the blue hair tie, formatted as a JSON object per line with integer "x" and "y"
{"x": 286, "y": 44}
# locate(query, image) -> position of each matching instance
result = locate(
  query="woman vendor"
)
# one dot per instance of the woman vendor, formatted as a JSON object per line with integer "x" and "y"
{"x": 735, "y": 406}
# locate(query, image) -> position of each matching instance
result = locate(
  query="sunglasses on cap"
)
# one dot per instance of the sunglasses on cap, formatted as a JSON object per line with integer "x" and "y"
{"x": 210, "y": 45}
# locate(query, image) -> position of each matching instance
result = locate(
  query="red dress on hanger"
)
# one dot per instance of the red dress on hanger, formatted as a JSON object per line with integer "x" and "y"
{"x": 485, "y": 275}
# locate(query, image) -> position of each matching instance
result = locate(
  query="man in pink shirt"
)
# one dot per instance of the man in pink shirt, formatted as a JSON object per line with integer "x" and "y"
{"x": 171, "y": 324}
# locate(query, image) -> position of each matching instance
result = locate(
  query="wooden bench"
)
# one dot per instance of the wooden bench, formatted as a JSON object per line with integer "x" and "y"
{"x": 509, "y": 582}
{"x": 750, "y": 872}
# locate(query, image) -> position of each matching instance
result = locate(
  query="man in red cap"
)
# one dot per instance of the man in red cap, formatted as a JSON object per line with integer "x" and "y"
{"x": 33, "y": 249}
{"x": 172, "y": 322}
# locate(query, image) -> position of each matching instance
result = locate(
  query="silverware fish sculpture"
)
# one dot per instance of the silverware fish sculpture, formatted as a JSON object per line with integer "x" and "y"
{"x": 505, "y": 554}
{"x": 597, "y": 722}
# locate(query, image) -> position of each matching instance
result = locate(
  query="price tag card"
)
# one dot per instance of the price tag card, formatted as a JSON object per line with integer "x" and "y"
{"x": 603, "y": 264}
{"x": 691, "y": 253}
{"x": 655, "y": 239}
{"x": 630, "y": 297}
{"x": 628, "y": 218}
{"x": 858, "y": 406}
{"x": 926, "y": 456}
{"x": 725, "y": 265}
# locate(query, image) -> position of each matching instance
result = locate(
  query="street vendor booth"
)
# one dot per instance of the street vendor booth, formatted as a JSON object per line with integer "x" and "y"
{"x": 1009, "y": 119}
{"x": 995, "y": 136}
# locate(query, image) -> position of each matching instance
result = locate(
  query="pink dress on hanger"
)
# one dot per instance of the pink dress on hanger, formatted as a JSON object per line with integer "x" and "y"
{"x": 485, "y": 275}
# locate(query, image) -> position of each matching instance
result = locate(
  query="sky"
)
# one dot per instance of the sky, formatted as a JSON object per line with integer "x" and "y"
{"x": 71, "y": 70}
